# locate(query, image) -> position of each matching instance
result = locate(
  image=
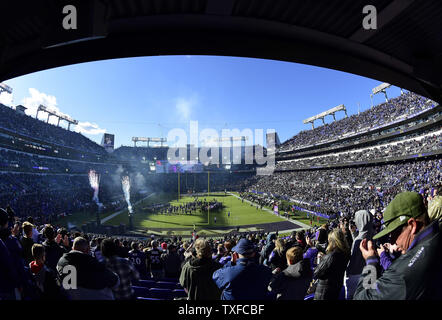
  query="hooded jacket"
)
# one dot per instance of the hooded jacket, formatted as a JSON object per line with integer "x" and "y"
{"x": 196, "y": 278}
{"x": 364, "y": 222}
{"x": 93, "y": 276}
{"x": 293, "y": 282}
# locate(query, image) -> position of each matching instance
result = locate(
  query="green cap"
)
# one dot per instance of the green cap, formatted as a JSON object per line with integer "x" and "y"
{"x": 404, "y": 206}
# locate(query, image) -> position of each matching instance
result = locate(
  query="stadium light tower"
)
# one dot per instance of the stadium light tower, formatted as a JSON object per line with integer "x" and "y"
{"x": 380, "y": 88}
{"x": 5, "y": 88}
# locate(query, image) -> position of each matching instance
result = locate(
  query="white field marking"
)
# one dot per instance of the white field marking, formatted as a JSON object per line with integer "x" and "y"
{"x": 121, "y": 211}
{"x": 306, "y": 226}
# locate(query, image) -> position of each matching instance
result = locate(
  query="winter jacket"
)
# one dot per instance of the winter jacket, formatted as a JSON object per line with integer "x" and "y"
{"x": 415, "y": 275}
{"x": 172, "y": 264}
{"x": 311, "y": 254}
{"x": 53, "y": 253}
{"x": 196, "y": 278}
{"x": 293, "y": 282}
{"x": 246, "y": 280}
{"x": 92, "y": 276}
{"x": 330, "y": 272}
{"x": 364, "y": 223}
{"x": 277, "y": 260}
{"x": 8, "y": 275}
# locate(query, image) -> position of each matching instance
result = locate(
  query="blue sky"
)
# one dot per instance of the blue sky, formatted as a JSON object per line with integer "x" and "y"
{"x": 149, "y": 96}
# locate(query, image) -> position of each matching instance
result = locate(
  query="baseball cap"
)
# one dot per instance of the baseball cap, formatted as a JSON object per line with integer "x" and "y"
{"x": 244, "y": 246}
{"x": 404, "y": 206}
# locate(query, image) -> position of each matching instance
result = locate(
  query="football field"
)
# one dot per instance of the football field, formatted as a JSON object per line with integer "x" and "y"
{"x": 241, "y": 214}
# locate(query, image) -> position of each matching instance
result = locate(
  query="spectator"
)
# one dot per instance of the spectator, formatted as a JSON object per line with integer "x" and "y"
{"x": 45, "y": 278}
{"x": 154, "y": 261}
{"x": 364, "y": 223}
{"x": 171, "y": 262}
{"x": 196, "y": 274}
{"x": 123, "y": 267}
{"x": 277, "y": 259}
{"x": 139, "y": 260}
{"x": 416, "y": 273}
{"x": 9, "y": 279}
{"x": 94, "y": 280}
{"x": 435, "y": 207}
{"x": 268, "y": 248}
{"x": 243, "y": 279}
{"x": 27, "y": 242}
{"x": 292, "y": 283}
{"x": 311, "y": 253}
{"x": 330, "y": 270}
{"x": 52, "y": 246}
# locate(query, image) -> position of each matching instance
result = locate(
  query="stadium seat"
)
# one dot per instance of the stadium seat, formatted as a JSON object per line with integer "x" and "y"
{"x": 144, "y": 298}
{"x": 179, "y": 293}
{"x": 146, "y": 283}
{"x": 160, "y": 293}
{"x": 309, "y": 297}
{"x": 169, "y": 279}
{"x": 141, "y": 292}
{"x": 165, "y": 285}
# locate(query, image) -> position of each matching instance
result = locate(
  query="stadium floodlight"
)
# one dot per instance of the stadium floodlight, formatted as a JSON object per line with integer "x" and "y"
{"x": 59, "y": 115}
{"x": 5, "y": 88}
{"x": 322, "y": 115}
{"x": 380, "y": 88}
{"x": 148, "y": 139}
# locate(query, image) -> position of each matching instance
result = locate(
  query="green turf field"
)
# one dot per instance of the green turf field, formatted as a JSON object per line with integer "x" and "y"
{"x": 240, "y": 214}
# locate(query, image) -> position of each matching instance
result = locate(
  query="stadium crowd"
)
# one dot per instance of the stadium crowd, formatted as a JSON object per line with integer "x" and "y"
{"x": 31, "y": 127}
{"x": 338, "y": 191}
{"x": 392, "y": 150}
{"x": 326, "y": 263}
{"x": 405, "y": 105}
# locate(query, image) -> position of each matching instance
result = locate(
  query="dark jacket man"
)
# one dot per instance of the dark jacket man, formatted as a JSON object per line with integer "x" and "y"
{"x": 243, "y": 279}
{"x": 416, "y": 274}
{"x": 94, "y": 280}
{"x": 293, "y": 282}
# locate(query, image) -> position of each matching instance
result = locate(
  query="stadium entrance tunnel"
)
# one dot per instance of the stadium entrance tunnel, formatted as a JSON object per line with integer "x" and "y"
{"x": 403, "y": 50}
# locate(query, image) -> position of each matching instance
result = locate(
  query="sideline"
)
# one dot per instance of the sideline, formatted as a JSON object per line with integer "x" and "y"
{"x": 297, "y": 223}
{"x": 113, "y": 215}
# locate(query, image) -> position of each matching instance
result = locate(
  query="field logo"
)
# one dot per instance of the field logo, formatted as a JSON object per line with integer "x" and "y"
{"x": 209, "y": 154}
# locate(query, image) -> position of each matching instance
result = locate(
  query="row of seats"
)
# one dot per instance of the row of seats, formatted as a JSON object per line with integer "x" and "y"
{"x": 143, "y": 293}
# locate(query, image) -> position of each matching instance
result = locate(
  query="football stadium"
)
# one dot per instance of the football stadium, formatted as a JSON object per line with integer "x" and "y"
{"x": 299, "y": 212}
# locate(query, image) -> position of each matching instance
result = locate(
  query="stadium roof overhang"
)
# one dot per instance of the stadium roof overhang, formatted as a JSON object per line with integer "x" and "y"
{"x": 405, "y": 49}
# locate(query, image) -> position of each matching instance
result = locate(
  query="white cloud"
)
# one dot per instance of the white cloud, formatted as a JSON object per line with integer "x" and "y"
{"x": 89, "y": 128}
{"x": 38, "y": 98}
{"x": 6, "y": 98}
{"x": 183, "y": 106}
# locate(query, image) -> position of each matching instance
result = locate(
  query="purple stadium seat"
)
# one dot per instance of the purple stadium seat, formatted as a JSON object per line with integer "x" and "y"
{"x": 160, "y": 293}
{"x": 179, "y": 293}
{"x": 141, "y": 291}
{"x": 165, "y": 285}
{"x": 146, "y": 283}
{"x": 144, "y": 298}
{"x": 309, "y": 297}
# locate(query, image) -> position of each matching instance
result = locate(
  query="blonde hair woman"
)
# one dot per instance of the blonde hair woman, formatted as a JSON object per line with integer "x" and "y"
{"x": 331, "y": 268}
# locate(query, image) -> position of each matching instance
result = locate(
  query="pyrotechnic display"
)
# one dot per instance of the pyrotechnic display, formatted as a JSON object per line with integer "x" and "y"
{"x": 94, "y": 181}
{"x": 125, "y": 182}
